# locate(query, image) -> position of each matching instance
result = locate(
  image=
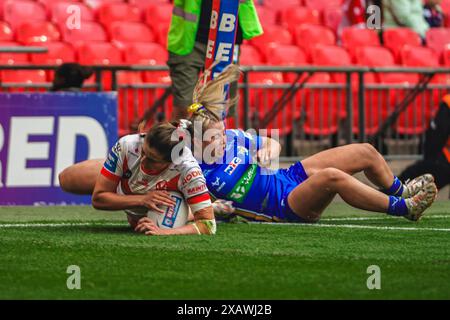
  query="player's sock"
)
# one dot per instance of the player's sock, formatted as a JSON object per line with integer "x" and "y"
{"x": 397, "y": 206}
{"x": 396, "y": 189}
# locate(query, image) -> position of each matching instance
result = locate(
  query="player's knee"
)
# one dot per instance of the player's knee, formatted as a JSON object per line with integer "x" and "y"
{"x": 369, "y": 152}
{"x": 332, "y": 175}
{"x": 62, "y": 178}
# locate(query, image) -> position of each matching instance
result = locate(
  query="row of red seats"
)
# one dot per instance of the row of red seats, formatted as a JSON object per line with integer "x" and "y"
{"x": 18, "y": 11}
{"x": 307, "y": 36}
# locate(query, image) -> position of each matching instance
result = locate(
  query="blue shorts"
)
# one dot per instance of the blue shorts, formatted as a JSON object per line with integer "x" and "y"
{"x": 286, "y": 181}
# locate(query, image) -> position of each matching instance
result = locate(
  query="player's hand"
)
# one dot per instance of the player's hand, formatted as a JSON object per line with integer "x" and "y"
{"x": 154, "y": 198}
{"x": 149, "y": 228}
{"x": 264, "y": 157}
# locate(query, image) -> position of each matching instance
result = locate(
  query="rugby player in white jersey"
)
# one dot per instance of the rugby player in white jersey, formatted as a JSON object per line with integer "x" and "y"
{"x": 139, "y": 172}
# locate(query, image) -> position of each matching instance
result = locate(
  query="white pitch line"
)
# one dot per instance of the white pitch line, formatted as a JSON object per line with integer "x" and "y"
{"x": 351, "y": 226}
{"x": 379, "y": 218}
{"x": 76, "y": 224}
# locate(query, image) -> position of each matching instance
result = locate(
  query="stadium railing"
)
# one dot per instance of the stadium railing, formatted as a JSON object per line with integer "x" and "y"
{"x": 311, "y": 113}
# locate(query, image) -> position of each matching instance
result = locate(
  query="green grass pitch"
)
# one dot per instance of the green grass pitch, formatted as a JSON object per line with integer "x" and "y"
{"x": 243, "y": 261}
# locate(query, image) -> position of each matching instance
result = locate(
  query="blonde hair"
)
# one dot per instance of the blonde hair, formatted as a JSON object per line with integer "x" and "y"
{"x": 210, "y": 103}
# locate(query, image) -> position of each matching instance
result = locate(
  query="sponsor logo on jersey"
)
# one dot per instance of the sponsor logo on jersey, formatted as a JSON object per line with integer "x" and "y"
{"x": 216, "y": 183}
{"x": 111, "y": 162}
{"x": 196, "y": 189}
{"x": 171, "y": 213}
{"x": 221, "y": 187}
{"x": 161, "y": 185}
{"x": 191, "y": 176}
{"x": 233, "y": 165}
{"x": 117, "y": 149}
{"x": 242, "y": 187}
{"x": 242, "y": 151}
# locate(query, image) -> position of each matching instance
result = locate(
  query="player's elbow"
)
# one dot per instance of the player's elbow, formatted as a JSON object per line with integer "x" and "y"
{"x": 97, "y": 201}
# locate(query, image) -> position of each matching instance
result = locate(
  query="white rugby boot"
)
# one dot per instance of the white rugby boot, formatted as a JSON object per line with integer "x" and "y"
{"x": 413, "y": 187}
{"x": 421, "y": 201}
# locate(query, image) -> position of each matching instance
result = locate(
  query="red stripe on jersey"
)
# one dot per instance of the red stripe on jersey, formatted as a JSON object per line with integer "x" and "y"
{"x": 200, "y": 198}
{"x": 124, "y": 182}
{"x": 172, "y": 185}
{"x": 107, "y": 174}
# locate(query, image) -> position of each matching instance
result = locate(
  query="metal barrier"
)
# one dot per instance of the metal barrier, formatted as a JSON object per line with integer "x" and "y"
{"x": 311, "y": 115}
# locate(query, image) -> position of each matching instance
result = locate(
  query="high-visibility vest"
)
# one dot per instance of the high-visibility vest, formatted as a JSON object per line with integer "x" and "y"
{"x": 185, "y": 19}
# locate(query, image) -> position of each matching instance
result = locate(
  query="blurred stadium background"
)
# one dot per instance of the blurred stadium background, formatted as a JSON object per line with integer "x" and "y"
{"x": 321, "y": 85}
{"x": 362, "y": 79}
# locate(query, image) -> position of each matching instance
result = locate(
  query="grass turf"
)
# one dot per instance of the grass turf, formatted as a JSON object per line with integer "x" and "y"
{"x": 243, "y": 261}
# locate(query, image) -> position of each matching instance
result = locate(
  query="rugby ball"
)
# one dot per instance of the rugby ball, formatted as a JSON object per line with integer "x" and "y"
{"x": 173, "y": 217}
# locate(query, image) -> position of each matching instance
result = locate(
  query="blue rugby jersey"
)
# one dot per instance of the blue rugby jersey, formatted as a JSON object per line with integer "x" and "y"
{"x": 256, "y": 192}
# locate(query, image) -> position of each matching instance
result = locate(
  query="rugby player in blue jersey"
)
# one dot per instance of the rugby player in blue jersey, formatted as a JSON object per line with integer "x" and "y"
{"x": 236, "y": 170}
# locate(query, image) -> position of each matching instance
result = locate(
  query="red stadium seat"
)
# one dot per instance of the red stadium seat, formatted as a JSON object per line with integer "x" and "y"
{"x": 58, "y": 53}
{"x": 148, "y": 54}
{"x": 419, "y": 57}
{"x": 50, "y": 3}
{"x": 293, "y": 16}
{"x": 326, "y": 55}
{"x": 423, "y": 57}
{"x": 161, "y": 31}
{"x": 6, "y": 33}
{"x": 438, "y": 39}
{"x": 445, "y": 5}
{"x": 273, "y": 34}
{"x": 12, "y": 58}
{"x": 19, "y": 11}
{"x": 262, "y": 100}
{"x": 287, "y": 55}
{"x": 395, "y": 39}
{"x": 158, "y": 13}
{"x": 447, "y": 56}
{"x": 60, "y": 12}
{"x": 145, "y": 53}
{"x": 280, "y": 4}
{"x": 99, "y": 54}
{"x": 266, "y": 15}
{"x": 23, "y": 76}
{"x": 112, "y": 12}
{"x": 37, "y": 32}
{"x": 95, "y": 4}
{"x": 144, "y": 4}
{"x": 126, "y": 32}
{"x": 249, "y": 55}
{"x": 89, "y": 32}
{"x": 322, "y": 112}
{"x": 332, "y": 18}
{"x": 307, "y": 36}
{"x": 322, "y": 4}
{"x": 353, "y": 38}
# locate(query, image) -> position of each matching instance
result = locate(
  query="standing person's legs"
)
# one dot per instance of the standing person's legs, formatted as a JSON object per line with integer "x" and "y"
{"x": 184, "y": 71}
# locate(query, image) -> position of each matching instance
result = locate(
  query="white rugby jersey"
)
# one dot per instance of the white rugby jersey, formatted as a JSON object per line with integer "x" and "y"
{"x": 124, "y": 166}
